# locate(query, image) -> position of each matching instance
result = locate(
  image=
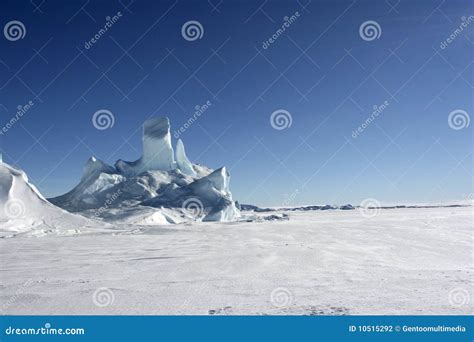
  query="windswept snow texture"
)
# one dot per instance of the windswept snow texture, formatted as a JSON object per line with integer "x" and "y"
{"x": 159, "y": 179}
{"x": 401, "y": 262}
{"x": 23, "y": 210}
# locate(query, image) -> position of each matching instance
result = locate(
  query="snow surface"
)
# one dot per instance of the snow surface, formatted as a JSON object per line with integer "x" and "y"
{"x": 140, "y": 237}
{"x": 402, "y": 261}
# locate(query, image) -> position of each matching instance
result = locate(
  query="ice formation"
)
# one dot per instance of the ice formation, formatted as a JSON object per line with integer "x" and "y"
{"x": 161, "y": 178}
{"x": 157, "y": 150}
{"x": 182, "y": 161}
{"x": 209, "y": 196}
{"x": 24, "y": 210}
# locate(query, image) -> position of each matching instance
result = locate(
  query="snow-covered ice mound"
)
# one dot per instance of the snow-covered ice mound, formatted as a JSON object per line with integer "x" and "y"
{"x": 24, "y": 210}
{"x": 97, "y": 182}
{"x": 208, "y": 198}
{"x": 161, "y": 178}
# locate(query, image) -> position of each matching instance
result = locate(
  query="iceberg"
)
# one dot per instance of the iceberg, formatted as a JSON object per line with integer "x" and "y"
{"x": 184, "y": 165}
{"x": 208, "y": 197}
{"x": 157, "y": 150}
{"x": 161, "y": 179}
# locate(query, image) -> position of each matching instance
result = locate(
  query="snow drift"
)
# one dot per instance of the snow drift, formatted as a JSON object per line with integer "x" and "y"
{"x": 24, "y": 210}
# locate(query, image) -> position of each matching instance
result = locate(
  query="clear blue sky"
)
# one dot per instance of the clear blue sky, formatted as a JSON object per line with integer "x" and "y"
{"x": 320, "y": 70}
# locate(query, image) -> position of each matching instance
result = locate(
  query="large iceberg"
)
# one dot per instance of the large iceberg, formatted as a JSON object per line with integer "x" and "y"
{"x": 161, "y": 178}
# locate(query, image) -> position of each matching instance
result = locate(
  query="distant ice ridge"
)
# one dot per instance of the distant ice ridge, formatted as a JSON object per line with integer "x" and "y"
{"x": 161, "y": 178}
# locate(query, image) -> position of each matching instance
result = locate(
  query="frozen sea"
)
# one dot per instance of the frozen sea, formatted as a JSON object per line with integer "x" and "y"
{"x": 400, "y": 262}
